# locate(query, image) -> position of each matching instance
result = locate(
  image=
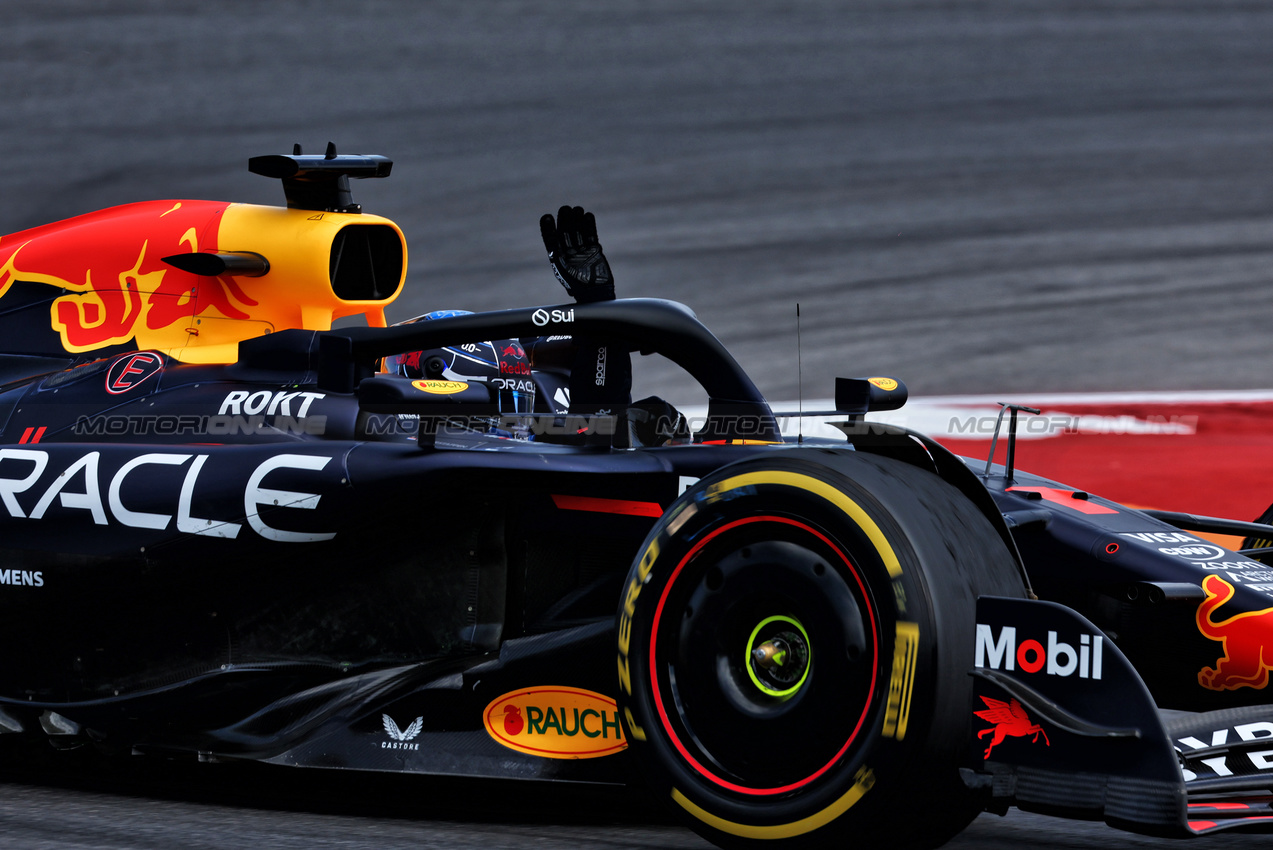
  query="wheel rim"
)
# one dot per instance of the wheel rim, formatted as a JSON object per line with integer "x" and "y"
{"x": 741, "y": 717}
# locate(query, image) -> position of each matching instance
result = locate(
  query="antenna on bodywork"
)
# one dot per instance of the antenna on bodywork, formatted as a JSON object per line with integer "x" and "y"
{"x": 1012, "y": 435}
{"x": 799, "y": 383}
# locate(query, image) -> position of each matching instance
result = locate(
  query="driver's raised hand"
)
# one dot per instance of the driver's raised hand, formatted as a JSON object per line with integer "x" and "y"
{"x": 575, "y": 254}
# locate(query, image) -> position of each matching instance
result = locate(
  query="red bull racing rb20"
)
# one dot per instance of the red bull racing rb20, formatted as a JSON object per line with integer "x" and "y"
{"x": 230, "y": 530}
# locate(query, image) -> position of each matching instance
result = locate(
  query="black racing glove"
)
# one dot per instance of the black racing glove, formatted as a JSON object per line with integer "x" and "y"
{"x": 575, "y": 254}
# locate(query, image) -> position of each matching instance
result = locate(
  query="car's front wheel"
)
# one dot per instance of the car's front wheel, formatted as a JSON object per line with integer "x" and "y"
{"x": 794, "y": 644}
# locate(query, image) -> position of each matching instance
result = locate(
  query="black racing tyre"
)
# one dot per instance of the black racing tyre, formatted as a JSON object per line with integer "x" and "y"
{"x": 794, "y": 645}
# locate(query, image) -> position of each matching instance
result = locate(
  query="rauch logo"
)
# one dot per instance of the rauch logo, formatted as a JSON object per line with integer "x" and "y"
{"x": 1031, "y": 656}
{"x": 556, "y": 722}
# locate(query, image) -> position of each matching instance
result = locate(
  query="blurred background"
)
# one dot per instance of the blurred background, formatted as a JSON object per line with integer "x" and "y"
{"x": 974, "y": 197}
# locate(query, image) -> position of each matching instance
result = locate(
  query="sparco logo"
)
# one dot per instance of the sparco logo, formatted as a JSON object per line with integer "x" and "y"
{"x": 601, "y": 366}
{"x": 401, "y": 737}
{"x": 1031, "y": 656}
{"x": 542, "y": 317}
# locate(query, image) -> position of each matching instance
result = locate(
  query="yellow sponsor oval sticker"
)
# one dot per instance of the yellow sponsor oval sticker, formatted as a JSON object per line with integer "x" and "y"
{"x": 441, "y": 387}
{"x": 556, "y": 722}
{"x": 886, "y": 384}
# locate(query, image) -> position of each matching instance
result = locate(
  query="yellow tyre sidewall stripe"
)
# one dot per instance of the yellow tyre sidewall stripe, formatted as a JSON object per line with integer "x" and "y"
{"x": 864, "y": 781}
{"x": 865, "y": 778}
{"x": 832, "y": 495}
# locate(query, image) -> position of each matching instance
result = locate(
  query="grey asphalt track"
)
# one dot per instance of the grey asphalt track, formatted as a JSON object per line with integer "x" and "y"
{"x": 88, "y": 806}
{"x": 974, "y": 197}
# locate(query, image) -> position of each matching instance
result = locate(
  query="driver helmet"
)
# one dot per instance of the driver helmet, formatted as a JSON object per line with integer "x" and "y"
{"x": 501, "y": 363}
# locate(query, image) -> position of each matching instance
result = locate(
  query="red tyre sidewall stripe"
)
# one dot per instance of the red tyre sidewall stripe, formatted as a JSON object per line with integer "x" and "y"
{"x": 654, "y": 679}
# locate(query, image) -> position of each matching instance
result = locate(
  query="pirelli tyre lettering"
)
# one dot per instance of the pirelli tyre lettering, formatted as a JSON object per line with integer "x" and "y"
{"x": 793, "y": 636}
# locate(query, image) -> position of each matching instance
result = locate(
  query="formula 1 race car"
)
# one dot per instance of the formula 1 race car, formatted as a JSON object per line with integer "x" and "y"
{"x": 231, "y": 531}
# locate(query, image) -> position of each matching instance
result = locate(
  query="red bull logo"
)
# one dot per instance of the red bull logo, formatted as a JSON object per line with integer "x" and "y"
{"x": 410, "y": 360}
{"x": 111, "y": 262}
{"x": 114, "y": 287}
{"x": 1246, "y": 639}
{"x": 1008, "y": 720}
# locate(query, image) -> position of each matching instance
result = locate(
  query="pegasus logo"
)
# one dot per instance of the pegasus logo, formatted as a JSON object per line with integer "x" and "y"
{"x": 401, "y": 737}
{"x": 1247, "y": 640}
{"x": 1010, "y": 721}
